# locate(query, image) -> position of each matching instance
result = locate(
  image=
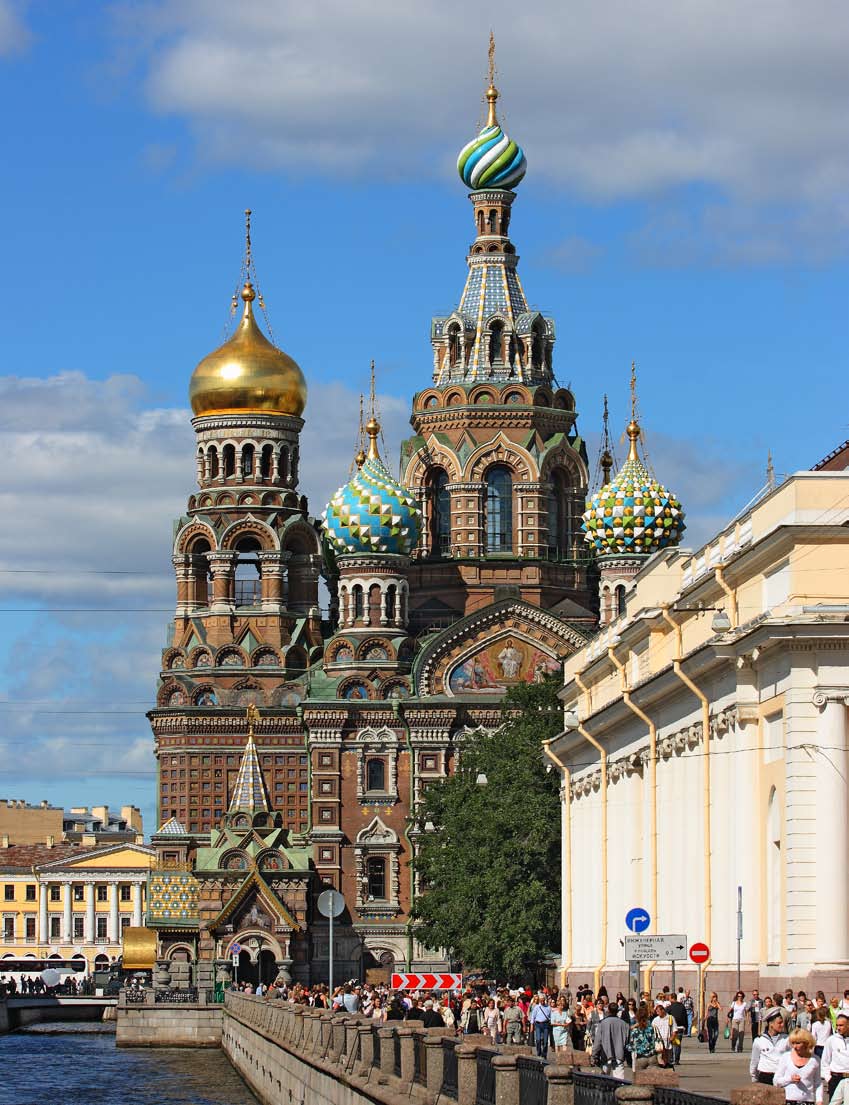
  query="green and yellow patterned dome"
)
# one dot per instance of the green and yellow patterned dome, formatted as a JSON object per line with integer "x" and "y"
{"x": 633, "y": 513}
{"x": 372, "y": 513}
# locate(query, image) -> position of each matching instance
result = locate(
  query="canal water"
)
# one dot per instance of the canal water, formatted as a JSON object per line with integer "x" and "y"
{"x": 78, "y": 1064}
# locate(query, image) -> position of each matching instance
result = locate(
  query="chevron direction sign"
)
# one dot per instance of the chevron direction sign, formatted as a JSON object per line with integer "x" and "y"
{"x": 426, "y": 982}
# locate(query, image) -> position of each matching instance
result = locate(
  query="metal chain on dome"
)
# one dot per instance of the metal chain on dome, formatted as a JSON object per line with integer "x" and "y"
{"x": 247, "y": 273}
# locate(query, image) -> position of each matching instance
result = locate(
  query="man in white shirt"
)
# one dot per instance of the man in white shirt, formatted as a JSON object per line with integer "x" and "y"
{"x": 835, "y": 1055}
{"x": 768, "y": 1048}
{"x": 844, "y": 1005}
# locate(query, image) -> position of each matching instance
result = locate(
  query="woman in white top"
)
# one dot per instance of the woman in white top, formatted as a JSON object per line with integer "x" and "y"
{"x": 799, "y": 1070}
{"x": 820, "y": 1029}
{"x": 737, "y": 1020}
{"x": 662, "y": 1025}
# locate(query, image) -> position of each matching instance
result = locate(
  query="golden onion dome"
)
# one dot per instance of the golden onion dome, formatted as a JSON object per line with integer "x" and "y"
{"x": 248, "y": 373}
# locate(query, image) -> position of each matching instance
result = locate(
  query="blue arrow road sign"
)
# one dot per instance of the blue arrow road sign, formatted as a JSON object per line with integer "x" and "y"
{"x": 637, "y": 919}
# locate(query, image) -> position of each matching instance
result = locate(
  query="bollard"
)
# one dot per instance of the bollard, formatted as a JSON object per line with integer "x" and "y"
{"x": 561, "y": 1090}
{"x": 467, "y": 1074}
{"x": 435, "y": 1063}
{"x": 408, "y": 1058}
{"x": 366, "y": 1060}
{"x": 634, "y": 1095}
{"x": 506, "y": 1079}
{"x": 757, "y": 1093}
{"x": 387, "y": 1052}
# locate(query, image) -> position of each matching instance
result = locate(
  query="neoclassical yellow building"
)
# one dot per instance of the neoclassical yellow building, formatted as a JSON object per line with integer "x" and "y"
{"x": 706, "y": 749}
{"x": 65, "y": 903}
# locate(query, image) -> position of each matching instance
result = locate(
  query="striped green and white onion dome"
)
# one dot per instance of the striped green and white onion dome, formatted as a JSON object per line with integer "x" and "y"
{"x": 492, "y": 160}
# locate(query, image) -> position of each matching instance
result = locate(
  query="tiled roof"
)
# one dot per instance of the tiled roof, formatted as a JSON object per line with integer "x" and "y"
{"x": 171, "y": 827}
{"x": 29, "y": 855}
{"x": 249, "y": 792}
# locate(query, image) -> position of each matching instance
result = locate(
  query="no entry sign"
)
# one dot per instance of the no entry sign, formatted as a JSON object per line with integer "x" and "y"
{"x": 700, "y": 953}
{"x": 426, "y": 982}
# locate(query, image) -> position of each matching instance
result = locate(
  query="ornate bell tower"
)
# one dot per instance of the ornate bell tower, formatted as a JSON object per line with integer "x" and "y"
{"x": 496, "y": 462}
{"x": 247, "y": 560}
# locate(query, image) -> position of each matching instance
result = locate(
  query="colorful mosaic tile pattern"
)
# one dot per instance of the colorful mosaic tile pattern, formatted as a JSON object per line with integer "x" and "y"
{"x": 172, "y": 896}
{"x": 633, "y": 514}
{"x": 373, "y": 514}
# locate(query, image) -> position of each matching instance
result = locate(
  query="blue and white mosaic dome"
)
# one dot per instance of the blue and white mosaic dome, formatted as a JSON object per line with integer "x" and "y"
{"x": 633, "y": 513}
{"x": 372, "y": 513}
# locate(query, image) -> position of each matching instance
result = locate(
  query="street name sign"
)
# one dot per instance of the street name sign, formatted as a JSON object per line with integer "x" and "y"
{"x": 700, "y": 953}
{"x": 426, "y": 982}
{"x": 645, "y": 948}
{"x": 637, "y": 919}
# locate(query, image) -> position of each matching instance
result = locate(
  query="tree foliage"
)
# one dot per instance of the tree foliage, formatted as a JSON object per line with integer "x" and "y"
{"x": 490, "y": 871}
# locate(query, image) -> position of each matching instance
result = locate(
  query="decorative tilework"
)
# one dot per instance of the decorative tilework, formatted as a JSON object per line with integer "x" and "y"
{"x": 172, "y": 896}
{"x": 372, "y": 513}
{"x": 633, "y": 513}
{"x": 249, "y": 792}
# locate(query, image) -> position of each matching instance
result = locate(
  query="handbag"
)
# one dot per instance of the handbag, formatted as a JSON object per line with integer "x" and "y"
{"x": 727, "y": 1033}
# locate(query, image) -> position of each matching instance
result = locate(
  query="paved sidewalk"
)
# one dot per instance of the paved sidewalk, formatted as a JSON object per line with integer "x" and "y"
{"x": 715, "y": 1075}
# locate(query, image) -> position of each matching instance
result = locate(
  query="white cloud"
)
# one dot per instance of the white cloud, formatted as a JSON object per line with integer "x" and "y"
{"x": 612, "y": 99}
{"x": 14, "y": 35}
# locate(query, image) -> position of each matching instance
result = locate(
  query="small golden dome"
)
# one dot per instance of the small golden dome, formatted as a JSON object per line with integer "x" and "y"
{"x": 248, "y": 373}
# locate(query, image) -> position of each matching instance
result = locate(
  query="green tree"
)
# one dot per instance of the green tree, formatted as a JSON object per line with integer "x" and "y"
{"x": 490, "y": 868}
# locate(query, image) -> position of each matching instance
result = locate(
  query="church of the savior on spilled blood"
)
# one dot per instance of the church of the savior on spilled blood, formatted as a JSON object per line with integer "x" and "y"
{"x": 293, "y": 746}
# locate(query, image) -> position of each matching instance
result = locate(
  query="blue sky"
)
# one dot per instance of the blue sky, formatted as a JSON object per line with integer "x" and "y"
{"x": 685, "y": 206}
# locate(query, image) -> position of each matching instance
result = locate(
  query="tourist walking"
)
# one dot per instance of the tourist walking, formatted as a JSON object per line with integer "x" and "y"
{"x": 678, "y": 1013}
{"x": 712, "y": 1022}
{"x": 539, "y": 1018}
{"x": 798, "y": 1070}
{"x": 641, "y": 1040}
{"x": 835, "y": 1056}
{"x": 768, "y": 1047}
{"x": 820, "y": 1029}
{"x": 663, "y": 1026}
{"x": 737, "y": 1020}
{"x": 561, "y": 1020}
{"x": 513, "y": 1022}
{"x": 611, "y": 1040}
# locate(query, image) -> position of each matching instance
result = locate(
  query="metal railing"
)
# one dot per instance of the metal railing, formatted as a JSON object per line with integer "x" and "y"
{"x": 135, "y": 997}
{"x": 595, "y": 1089}
{"x": 485, "y": 1092}
{"x": 176, "y": 997}
{"x": 666, "y": 1095}
{"x": 533, "y": 1085}
{"x": 449, "y": 1069}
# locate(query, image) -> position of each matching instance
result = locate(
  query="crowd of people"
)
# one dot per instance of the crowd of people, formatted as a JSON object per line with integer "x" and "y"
{"x": 798, "y": 1043}
{"x": 34, "y": 985}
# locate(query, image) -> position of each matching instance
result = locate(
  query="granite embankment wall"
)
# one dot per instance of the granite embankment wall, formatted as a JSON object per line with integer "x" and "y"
{"x": 185, "y": 1024}
{"x": 293, "y": 1055}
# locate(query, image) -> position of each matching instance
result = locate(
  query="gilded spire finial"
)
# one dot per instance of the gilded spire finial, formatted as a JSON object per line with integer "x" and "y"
{"x": 492, "y": 91}
{"x": 248, "y": 258}
{"x": 606, "y": 458}
{"x": 633, "y": 429}
{"x": 372, "y": 426}
{"x": 360, "y": 457}
{"x": 252, "y": 713}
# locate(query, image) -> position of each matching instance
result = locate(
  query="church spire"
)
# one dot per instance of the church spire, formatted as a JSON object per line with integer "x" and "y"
{"x": 249, "y": 793}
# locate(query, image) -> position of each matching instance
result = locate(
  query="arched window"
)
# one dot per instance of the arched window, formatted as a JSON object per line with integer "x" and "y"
{"x": 376, "y": 774}
{"x": 265, "y": 462}
{"x": 283, "y": 465}
{"x": 376, "y": 877}
{"x": 555, "y": 520}
{"x": 248, "y": 586}
{"x": 247, "y": 461}
{"x": 201, "y": 573}
{"x": 538, "y": 351}
{"x": 440, "y": 513}
{"x": 560, "y": 505}
{"x": 492, "y": 220}
{"x": 496, "y": 337}
{"x": 620, "y": 600}
{"x": 358, "y": 602}
{"x": 212, "y": 463}
{"x": 499, "y": 509}
{"x": 390, "y": 603}
{"x": 229, "y": 456}
{"x": 453, "y": 344}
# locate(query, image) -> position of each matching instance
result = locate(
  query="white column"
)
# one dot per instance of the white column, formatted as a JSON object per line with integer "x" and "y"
{"x": 137, "y": 905}
{"x": 43, "y": 934}
{"x": 833, "y": 798}
{"x": 89, "y": 913}
{"x": 67, "y": 930}
{"x": 113, "y": 913}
